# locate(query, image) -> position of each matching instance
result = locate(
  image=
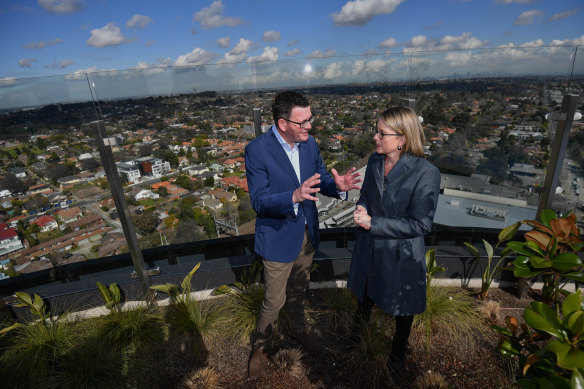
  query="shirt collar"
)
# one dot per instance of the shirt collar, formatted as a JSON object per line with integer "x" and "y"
{"x": 282, "y": 141}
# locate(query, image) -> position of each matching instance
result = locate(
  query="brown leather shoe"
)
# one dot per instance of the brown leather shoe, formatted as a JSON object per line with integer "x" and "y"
{"x": 309, "y": 342}
{"x": 257, "y": 363}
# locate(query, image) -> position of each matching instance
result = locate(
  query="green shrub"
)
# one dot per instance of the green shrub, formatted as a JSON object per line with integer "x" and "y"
{"x": 558, "y": 363}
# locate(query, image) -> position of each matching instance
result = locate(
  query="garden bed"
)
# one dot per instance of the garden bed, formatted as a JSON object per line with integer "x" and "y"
{"x": 462, "y": 363}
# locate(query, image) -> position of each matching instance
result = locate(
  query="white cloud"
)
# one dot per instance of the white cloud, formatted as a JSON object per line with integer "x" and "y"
{"x": 458, "y": 58}
{"x": 62, "y": 6}
{"x": 360, "y": 12}
{"x": 388, "y": 43}
{"x": 528, "y": 17}
{"x": 139, "y": 21}
{"x": 333, "y": 71}
{"x": 568, "y": 42}
{"x": 196, "y": 57}
{"x": 81, "y": 74}
{"x": 108, "y": 35}
{"x": 535, "y": 43}
{"x": 563, "y": 15}
{"x": 271, "y": 36}
{"x": 62, "y": 65}
{"x": 242, "y": 46}
{"x": 211, "y": 17}
{"x": 238, "y": 53}
{"x": 26, "y": 63}
{"x": 232, "y": 58}
{"x": 293, "y": 42}
{"x": 292, "y": 53}
{"x": 418, "y": 41}
{"x": 143, "y": 69}
{"x": 41, "y": 44}
{"x": 223, "y": 42}
{"x": 358, "y": 67}
{"x": 150, "y": 43}
{"x": 514, "y": 1}
{"x": 374, "y": 66}
{"x": 319, "y": 54}
{"x": 6, "y": 82}
{"x": 269, "y": 54}
{"x": 449, "y": 42}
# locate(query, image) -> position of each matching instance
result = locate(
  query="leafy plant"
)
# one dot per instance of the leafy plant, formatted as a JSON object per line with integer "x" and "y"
{"x": 244, "y": 301}
{"x": 450, "y": 312}
{"x": 431, "y": 268}
{"x": 110, "y": 295}
{"x": 176, "y": 294}
{"x": 35, "y": 349}
{"x": 187, "y": 316}
{"x": 560, "y": 362}
{"x": 489, "y": 273}
{"x": 550, "y": 251}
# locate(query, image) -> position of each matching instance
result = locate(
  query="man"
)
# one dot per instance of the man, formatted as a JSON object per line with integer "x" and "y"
{"x": 284, "y": 172}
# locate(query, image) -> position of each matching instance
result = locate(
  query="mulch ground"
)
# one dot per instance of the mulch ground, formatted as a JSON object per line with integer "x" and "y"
{"x": 474, "y": 364}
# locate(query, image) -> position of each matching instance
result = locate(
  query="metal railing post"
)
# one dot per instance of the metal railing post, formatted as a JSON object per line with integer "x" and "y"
{"x": 558, "y": 151}
{"x": 111, "y": 171}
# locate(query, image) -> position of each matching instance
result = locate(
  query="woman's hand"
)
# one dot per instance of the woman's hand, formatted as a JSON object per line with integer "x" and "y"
{"x": 361, "y": 218}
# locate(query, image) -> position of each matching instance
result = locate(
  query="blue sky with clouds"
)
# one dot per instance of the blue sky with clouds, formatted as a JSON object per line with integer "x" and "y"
{"x": 143, "y": 47}
{"x": 48, "y": 37}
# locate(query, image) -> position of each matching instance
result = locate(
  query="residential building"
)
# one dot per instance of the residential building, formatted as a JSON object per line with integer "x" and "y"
{"x": 9, "y": 240}
{"x": 46, "y": 223}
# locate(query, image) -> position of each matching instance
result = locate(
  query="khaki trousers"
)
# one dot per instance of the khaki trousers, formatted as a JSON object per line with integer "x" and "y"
{"x": 284, "y": 280}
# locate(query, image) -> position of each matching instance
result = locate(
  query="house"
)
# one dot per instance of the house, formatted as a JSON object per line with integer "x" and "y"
{"x": 46, "y": 223}
{"x": 237, "y": 182}
{"x": 85, "y": 222}
{"x": 18, "y": 172}
{"x": 14, "y": 221}
{"x": 212, "y": 203}
{"x": 39, "y": 189}
{"x": 198, "y": 170}
{"x": 223, "y": 194}
{"x": 183, "y": 162}
{"x": 112, "y": 244}
{"x": 69, "y": 215}
{"x": 9, "y": 240}
{"x": 146, "y": 194}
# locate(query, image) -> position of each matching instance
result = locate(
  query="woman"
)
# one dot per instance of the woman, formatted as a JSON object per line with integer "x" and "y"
{"x": 395, "y": 210}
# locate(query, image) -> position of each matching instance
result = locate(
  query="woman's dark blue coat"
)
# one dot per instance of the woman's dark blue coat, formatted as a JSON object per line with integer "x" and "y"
{"x": 390, "y": 257}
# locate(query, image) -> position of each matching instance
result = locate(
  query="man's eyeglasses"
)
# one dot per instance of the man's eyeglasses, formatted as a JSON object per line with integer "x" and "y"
{"x": 303, "y": 124}
{"x": 381, "y": 134}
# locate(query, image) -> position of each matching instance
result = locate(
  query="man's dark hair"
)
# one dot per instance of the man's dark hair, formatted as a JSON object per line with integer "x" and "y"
{"x": 285, "y": 102}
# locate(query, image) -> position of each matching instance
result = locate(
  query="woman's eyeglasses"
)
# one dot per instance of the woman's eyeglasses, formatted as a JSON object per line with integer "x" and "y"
{"x": 381, "y": 134}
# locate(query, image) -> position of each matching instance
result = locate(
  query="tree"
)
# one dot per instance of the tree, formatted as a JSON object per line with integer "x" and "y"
{"x": 13, "y": 183}
{"x": 145, "y": 223}
{"x": 209, "y": 182}
{"x": 89, "y": 164}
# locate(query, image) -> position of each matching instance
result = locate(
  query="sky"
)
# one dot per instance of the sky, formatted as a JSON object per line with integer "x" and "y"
{"x": 312, "y": 41}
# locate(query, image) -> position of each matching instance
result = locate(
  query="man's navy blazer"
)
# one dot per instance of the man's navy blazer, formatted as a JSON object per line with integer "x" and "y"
{"x": 271, "y": 179}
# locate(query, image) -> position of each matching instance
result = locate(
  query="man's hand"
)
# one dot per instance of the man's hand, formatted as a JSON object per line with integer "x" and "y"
{"x": 361, "y": 218}
{"x": 347, "y": 181}
{"x": 305, "y": 191}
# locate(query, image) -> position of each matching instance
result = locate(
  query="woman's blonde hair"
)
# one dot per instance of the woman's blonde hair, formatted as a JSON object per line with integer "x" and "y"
{"x": 405, "y": 122}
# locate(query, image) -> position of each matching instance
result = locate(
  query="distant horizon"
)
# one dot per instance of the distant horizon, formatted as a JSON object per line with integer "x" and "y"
{"x": 244, "y": 78}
